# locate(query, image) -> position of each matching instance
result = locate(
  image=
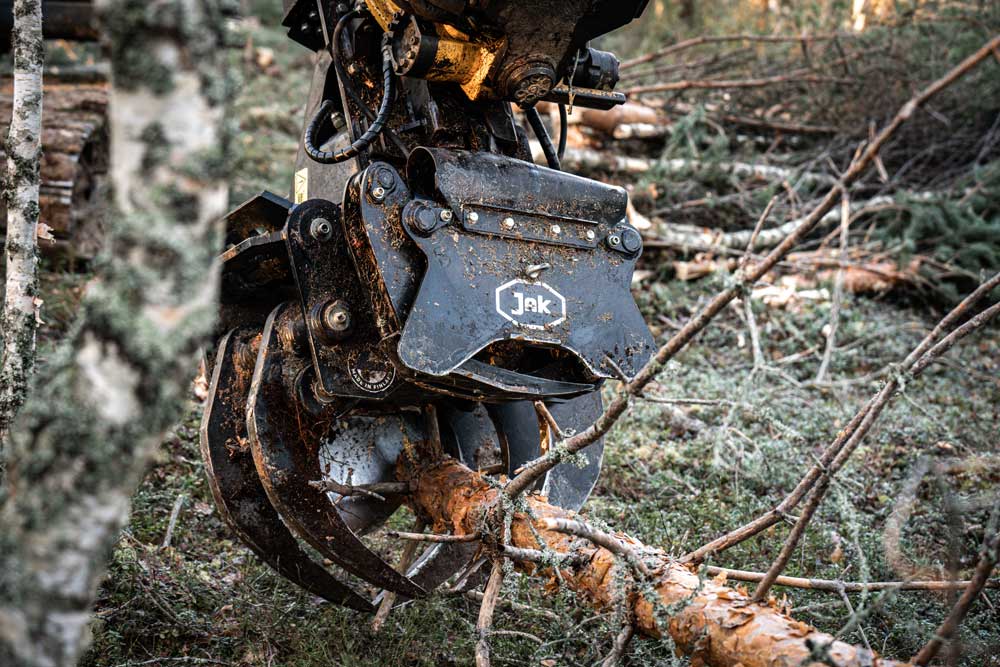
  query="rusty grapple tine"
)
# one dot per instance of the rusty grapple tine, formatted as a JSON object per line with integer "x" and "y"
{"x": 237, "y": 489}
{"x": 286, "y": 465}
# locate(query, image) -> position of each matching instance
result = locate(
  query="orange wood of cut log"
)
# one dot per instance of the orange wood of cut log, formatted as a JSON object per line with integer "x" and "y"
{"x": 714, "y": 624}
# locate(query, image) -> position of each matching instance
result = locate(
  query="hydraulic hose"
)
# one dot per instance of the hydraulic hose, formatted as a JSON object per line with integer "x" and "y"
{"x": 535, "y": 120}
{"x": 377, "y": 124}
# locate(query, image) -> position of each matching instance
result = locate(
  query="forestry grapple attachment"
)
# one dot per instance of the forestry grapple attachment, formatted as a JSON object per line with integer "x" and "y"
{"x": 426, "y": 283}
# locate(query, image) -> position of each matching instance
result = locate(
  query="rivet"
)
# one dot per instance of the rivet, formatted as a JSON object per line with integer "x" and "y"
{"x": 556, "y": 229}
{"x": 508, "y": 223}
{"x": 590, "y": 235}
{"x": 473, "y": 217}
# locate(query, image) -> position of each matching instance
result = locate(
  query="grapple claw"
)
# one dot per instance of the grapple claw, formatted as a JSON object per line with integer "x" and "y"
{"x": 286, "y": 470}
{"x": 237, "y": 489}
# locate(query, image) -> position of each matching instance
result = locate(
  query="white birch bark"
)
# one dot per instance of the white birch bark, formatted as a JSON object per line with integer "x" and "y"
{"x": 21, "y": 178}
{"x": 79, "y": 446}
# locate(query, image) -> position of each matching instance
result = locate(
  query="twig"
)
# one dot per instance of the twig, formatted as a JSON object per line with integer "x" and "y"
{"x": 536, "y": 556}
{"x": 725, "y": 84}
{"x": 833, "y": 586}
{"x": 534, "y": 470}
{"x": 988, "y": 557}
{"x": 876, "y": 407}
{"x": 706, "y": 39}
{"x": 598, "y": 537}
{"x": 838, "y": 291}
{"x": 174, "y": 514}
{"x": 544, "y": 413}
{"x": 852, "y": 615}
{"x": 378, "y": 491}
{"x": 517, "y": 633}
{"x": 432, "y": 537}
{"x": 405, "y": 560}
{"x": 621, "y": 643}
{"x": 476, "y": 596}
{"x": 485, "y": 620}
{"x": 844, "y": 442}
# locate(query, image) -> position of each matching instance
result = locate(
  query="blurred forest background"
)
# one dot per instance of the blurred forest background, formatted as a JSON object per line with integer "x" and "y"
{"x": 736, "y": 107}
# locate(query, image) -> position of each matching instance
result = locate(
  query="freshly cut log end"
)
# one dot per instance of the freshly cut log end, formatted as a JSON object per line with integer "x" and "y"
{"x": 714, "y": 624}
{"x": 74, "y": 162}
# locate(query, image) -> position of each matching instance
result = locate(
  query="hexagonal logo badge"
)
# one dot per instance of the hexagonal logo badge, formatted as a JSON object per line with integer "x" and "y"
{"x": 532, "y": 305}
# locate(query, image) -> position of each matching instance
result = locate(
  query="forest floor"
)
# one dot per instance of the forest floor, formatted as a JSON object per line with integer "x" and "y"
{"x": 676, "y": 483}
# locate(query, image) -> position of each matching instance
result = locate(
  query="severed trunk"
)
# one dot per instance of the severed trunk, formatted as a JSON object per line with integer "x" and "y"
{"x": 20, "y": 191}
{"x": 708, "y": 621}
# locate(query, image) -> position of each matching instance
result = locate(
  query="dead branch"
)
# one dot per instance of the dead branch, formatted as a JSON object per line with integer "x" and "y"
{"x": 877, "y": 406}
{"x": 746, "y": 277}
{"x": 717, "y": 625}
{"x": 517, "y": 607}
{"x": 485, "y": 620}
{"x": 705, "y": 239}
{"x": 729, "y": 84}
{"x": 834, "y": 586}
{"x": 621, "y": 643}
{"x": 389, "y": 597}
{"x": 989, "y": 555}
{"x": 20, "y": 192}
{"x": 698, "y": 41}
{"x": 600, "y": 538}
{"x": 431, "y": 537}
{"x": 837, "y": 452}
{"x": 838, "y": 291}
{"x": 377, "y": 491}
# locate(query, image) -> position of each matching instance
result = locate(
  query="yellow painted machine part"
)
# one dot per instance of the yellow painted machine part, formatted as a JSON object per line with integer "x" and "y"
{"x": 458, "y": 59}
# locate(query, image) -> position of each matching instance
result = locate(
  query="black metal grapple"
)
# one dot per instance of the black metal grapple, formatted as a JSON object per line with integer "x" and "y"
{"x": 426, "y": 280}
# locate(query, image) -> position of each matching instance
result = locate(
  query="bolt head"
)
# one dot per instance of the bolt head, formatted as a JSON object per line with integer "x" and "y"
{"x": 508, "y": 223}
{"x": 321, "y": 229}
{"x": 591, "y": 235}
{"x": 446, "y": 215}
{"x": 614, "y": 240}
{"x": 378, "y": 193}
{"x": 473, "y": 218}
{"x": 336, "y": 318}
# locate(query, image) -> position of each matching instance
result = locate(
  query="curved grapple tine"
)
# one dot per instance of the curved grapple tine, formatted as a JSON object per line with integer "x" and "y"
{"x": 286, "y": 465}
{"x": 237, "y": 489}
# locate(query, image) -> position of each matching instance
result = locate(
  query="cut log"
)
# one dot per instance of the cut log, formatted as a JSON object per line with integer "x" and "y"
{"x": 74, "y": 160}
{"x": 714, "y": 624}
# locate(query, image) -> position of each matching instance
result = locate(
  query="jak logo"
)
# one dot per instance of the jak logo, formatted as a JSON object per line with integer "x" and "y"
{"x": 533, "y": 305}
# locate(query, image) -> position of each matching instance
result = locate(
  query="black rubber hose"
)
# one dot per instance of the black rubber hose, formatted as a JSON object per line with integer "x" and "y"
{"x": 535, "y": 121}
{"x": 374, "y": 129}
{"x": 345, "y": 80}
{"x": 563, "y": 130}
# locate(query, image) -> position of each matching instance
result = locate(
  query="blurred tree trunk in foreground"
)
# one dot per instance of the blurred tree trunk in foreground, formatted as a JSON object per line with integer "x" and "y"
{"x": 84, "y": 436}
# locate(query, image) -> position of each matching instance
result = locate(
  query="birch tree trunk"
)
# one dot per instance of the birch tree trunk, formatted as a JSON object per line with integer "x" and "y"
{"x": 20, "y": 190}
{"x": 80, "y": 444}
